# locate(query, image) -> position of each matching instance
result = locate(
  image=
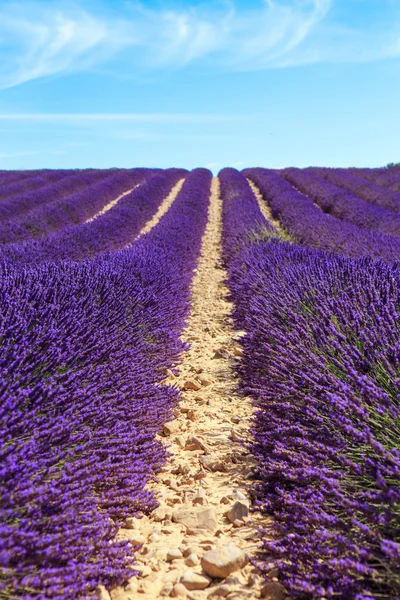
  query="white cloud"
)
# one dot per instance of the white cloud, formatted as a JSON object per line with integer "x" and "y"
{"x": 45, "y": 39}
{"x": 42, "y": 40}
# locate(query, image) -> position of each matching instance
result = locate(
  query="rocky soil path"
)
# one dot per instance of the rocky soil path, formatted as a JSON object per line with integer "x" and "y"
{"x": 108, "y": 206}
{"x": 163, "y": 208}
{"x": 196, "y": 545}
{"x": 266, "y": 210}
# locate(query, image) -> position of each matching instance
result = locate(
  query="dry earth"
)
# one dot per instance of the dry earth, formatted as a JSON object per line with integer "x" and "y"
{"x": 108, "y": 206}
{"x": 162, "y": 209}
{"x": 196, "y": 545}
{"x": 265, "y": 209}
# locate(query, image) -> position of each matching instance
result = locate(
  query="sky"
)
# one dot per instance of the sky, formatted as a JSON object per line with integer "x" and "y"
{"x": 213, "y": 83}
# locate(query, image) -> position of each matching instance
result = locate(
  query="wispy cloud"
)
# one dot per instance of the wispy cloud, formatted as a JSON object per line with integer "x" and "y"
{"x": 45, "y": 39}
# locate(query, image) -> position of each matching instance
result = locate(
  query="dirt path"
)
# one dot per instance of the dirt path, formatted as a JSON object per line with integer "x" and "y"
{"x": 202, "y": 490}
{"x": 265, "y": 209}
{"x": 108, "y": 206}
{"x": 162, "y": 209}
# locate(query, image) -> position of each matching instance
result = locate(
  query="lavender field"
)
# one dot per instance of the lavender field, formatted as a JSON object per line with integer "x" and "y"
{"x": 98, "y": 271}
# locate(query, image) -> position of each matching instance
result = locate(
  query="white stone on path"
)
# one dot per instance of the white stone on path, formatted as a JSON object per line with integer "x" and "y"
{"x": 195, "y": 581}
{"x": 238, "y": 511}
{"x": 223, "y": 561}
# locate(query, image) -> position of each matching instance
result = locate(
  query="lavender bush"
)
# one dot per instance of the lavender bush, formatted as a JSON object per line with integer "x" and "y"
{"x": 367, "y": 190}
{"x": 82, "y": 349}
{"x": 74, "y": 209}
{"x": 309, "y": 225}
{"x": 342, "y": 204}
{"x": 66, "y": 184}
{"x": 321, "y": 361}
{"x": 111, "y": 231}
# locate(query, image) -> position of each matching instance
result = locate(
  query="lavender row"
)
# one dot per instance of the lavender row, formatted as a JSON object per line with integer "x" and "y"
{"x": 388, "y": 177}
{"x": 83, "y": 349}
{"x": 321, "y": 360}
{"x": 309, "y": 225}
{"x": 55, "y": 190}
{"x": 367, "y": 190}
{"x": 109, "y": 232}
{"x": 342, "y": 204}
{"x": 7, "y": 177}
{"x": 72, "y": 210}
{"x": 28, "y": 184}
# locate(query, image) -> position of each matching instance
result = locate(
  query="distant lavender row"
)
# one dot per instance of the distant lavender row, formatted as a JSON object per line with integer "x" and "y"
{"x": 74, "y": 209}
{"x": 55, "y": 190}
{"x": 386, "y": 176}
{"x": 82, "y": 349}
{"x": 365, "y": 189}
{"x": 308, "y": 225}
{"x": 321, "y": 360}
{"x": 111, "y": 231}
{"x": 28, "y": 184}
{"x": 341, "y": 203}
{"x": 7, "y": 177}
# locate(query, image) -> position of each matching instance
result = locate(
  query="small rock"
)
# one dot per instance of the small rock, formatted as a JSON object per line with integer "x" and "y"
{"x": 192, "y": 560}
{"x": 205, "y": 518}
{"x": 136, "y": 538}
{"x": 189, "y": 550}
{"x": 194, "y": 443}
{"x": 238, "y": 523}
{"x": 183, "y": 468}
{"x": 171, "y": 577}
{"x": 235, "y": 419}
{"x": 238, "y": 495}
{"x": 224, "y": 500}
{"x": 200, "y": 498}
{"x": 171, "y": 427}
{"x": 214, "y": 465}
{"x": 154, "y": 537}
{"x": 144, "y": 570}
{"x": 192, "y": 415}
{"x": 180, "y": 440}
{"x": 191, "y": 384}
{"x": 200, "y": 400}
{"x": 238, "y": 352}
{"x": 173, "y": 554}
{"x": 204, "y": 381}
{"x": 195, "y": 581}
{"x": 102, "y": 593}
{"x": 221, "y": 353}
{"x": 167, "y": 589}
{"x": 200, "y": 475}
{"x": 132, "y": 523}
{"x": 171, "y": 483}
{"x": 273, "y": 590}
{"x": 179, "y": 591}
{"x": 254, "y": 580}
{"x": 158, "y": 514}
{"x": 221, "y": 562}
{"x": 167, "y": 530}
{"x": 238, "y": 511}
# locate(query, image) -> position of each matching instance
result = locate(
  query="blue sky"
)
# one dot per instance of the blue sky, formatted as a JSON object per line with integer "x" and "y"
{"x": 199, "y": 83}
